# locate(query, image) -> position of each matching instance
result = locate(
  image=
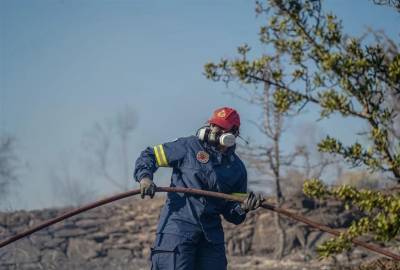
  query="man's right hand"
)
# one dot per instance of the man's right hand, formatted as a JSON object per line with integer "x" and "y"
{"x": 147, "y": 187}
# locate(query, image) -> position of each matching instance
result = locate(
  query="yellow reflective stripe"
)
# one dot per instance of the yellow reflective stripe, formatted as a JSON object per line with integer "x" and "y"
{"x": 157, "y": 156}
{"x": 160, "y": 156}
{"x": 163, "y": 157}
{"x": 239, "y": 194}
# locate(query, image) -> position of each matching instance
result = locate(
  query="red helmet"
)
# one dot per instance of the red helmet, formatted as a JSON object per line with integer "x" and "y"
{"x": 225, "y": 117}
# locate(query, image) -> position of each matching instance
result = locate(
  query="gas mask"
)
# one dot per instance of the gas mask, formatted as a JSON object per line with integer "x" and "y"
{"x": 215, "y": 136}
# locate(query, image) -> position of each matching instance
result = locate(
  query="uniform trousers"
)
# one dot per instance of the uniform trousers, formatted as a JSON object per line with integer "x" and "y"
{"x": 194, "y": 252}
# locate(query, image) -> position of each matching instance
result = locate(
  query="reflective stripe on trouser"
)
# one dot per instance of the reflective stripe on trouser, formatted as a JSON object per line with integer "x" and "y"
{"x": 175, "y": 252}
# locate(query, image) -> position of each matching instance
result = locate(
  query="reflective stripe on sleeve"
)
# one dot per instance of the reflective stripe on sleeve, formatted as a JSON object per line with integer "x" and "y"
{"x": 160, "y": 156}
{"x": 163, "y": 157}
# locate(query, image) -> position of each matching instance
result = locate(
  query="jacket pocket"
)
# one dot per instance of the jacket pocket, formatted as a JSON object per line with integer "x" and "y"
{"x": 166, "y": 242}
{"x": 163, "y": 253}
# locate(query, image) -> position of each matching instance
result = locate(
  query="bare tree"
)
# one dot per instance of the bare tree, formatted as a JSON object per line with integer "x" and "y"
{"x": 339, "y": 74}
{"x": 107, "y": 144}
{"x": 284, "y": 172}
{"x": 391, "y": 3}
{"x": 268, "y": 159}
{"x": 125, "y": 124}
{"x": 361, "y": 179}
{"x": 9, "y": 165}
{"x": 308, "y": 162}
{"x": 69, "y": 184}
{"x": 393, "y": 101}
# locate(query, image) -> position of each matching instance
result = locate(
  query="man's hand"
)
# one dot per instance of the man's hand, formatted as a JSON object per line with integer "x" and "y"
{"x": 252, "y": 202}
{"x": 147, "y": 187}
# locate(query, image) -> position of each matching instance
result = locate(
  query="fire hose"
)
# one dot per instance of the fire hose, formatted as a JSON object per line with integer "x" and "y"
{"x": 265, "y": 205}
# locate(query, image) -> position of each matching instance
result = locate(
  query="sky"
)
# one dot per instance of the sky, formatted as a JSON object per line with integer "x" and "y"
{"x": 66, "y": 65}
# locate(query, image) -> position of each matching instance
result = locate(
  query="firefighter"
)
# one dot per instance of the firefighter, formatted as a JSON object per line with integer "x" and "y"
{"x": 189, "y": 233}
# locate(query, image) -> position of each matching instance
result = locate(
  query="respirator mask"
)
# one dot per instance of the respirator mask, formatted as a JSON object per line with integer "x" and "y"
{"x": 216, "y": 136}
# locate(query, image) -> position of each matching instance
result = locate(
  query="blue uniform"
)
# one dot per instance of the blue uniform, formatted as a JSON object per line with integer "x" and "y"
{"x": 190, "y": 229}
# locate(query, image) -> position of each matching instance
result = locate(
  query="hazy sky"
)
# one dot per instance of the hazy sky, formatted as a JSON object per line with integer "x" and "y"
{"x": 68, "y": 64}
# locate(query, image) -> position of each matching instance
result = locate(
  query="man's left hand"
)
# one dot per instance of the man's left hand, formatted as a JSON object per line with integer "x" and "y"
{"x": 252, "y": 202}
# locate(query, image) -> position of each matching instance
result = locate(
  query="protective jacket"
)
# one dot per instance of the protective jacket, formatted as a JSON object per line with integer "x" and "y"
{"x": 196, "y": 165}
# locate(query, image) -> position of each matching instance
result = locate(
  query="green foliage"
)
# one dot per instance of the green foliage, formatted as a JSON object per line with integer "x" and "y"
{"x": 312, "y": 60}
{"x": 382, "y": 221}
{"x": 284, "y": 99}
{"x": 355, "y": 154}
{"x": 332, "y": 101}
{"x": 333, "y": 246}
{"x": 394, "y": 70}
{"x": 330, "y": 145}
{"x": 315, "y": 188}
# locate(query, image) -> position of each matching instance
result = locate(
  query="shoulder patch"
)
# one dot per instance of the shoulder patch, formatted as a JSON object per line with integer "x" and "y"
{"x": 202, "y": 157}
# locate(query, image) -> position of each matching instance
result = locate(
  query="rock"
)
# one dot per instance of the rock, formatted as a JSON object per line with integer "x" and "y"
{"x": 308, "y": 203}
{"x": 40, "y": 241}
{"x": 53, "y": 259}
{"x": 16, "y": 219}
{"x": 46, "y": 214}
{"x": 82, "y": 249}
{"x": 112, "y": 245}
{"x": 3, "y": 230}
{"x": 120, "y": 254}
{"x": 99, "y": 237}
{"x": 3, "y": 218}
{"x": 117, "y": 230}
{"x": 31, "y": 266}
{"x": 264, "y": 235}
{"x": 145, "y": 253}
{"x": 4, "y": 233}
{"x": 119, "y": 236}
{"x": 19, "y": 252}
{"x": 55, "y": 243}
{"x": 66, "y": 233}
{"x": 89, "y": 223}
{"x": 63, "y": 225}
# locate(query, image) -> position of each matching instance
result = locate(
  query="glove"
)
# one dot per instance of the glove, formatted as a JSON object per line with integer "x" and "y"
{"x": 252, "y": 202}
{"x": 147, "y": 187}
